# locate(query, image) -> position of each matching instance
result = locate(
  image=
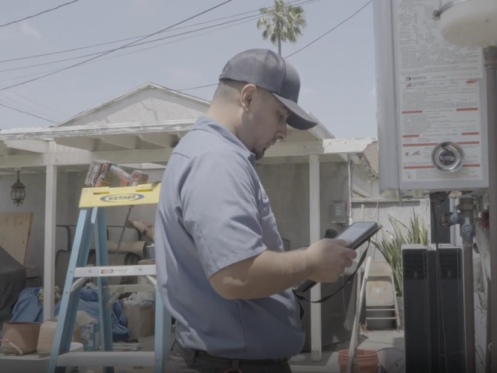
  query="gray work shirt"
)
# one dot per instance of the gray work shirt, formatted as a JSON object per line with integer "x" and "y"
{"x": 213, "y": 212}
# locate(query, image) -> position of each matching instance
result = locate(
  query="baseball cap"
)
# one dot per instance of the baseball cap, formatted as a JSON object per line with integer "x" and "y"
{"x": 268, "y": 70}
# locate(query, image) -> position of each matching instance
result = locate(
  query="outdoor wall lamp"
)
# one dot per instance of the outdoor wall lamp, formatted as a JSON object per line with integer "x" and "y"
{"x": 18, "y": 191}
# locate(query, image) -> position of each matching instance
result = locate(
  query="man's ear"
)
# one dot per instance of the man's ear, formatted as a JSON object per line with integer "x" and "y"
{"x": 247, "y": 94}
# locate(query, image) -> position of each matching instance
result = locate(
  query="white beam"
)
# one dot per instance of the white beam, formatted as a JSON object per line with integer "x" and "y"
{"x": 49, "y": 250}
{"x": 31, "y": 145}
{"x": 22, "y": 161}
{"x": 84, "y": 143}
{"x": 315, "y": 235}
{"x": 161, "y": 139}
{"x": 124, "y": 128}
{"x": 72, "y": 158}
{"x": 122, "y": 141}
{"x": 346, "y": 146}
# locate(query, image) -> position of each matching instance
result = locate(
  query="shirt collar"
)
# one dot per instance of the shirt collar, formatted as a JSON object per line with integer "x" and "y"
{"x": 208, "y": 124}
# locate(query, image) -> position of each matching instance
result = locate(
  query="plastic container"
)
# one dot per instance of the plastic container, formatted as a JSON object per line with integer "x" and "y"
{"x": 367, "y": 361}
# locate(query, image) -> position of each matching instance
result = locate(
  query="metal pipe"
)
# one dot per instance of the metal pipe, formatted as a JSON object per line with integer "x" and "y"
{"x": 467, "y": 231}
{"x": 350, "y": 189}
{"x": 488, "y": 355}
{"x": 490, "y": 55}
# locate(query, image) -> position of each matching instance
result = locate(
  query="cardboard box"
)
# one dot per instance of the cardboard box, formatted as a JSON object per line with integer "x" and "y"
{"x": 141, "y": 320}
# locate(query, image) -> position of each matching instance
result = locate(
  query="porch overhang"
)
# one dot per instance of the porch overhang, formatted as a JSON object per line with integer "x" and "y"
{"x": 71, "y": 147}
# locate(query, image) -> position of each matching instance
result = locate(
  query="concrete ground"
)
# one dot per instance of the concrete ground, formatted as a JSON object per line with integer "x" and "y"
{"x": 372, "y": 340}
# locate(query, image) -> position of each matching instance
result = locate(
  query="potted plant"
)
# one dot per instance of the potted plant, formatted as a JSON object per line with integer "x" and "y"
{"x": 390, "y": 246}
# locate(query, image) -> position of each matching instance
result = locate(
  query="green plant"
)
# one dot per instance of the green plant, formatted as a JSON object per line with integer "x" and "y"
{"x": 281, "y": 23}
{"x": 390, "y": 244}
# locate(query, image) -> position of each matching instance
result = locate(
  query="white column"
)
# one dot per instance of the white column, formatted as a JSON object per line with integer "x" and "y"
{"x": 315, "y": 235}
{"x": 49, "y": 256}
{"x": 351, "y": 186}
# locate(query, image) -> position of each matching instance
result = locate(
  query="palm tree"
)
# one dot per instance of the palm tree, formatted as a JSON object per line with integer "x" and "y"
{"x": 281, "y": 23}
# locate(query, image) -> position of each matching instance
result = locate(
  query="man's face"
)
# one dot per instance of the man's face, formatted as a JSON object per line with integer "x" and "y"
{"x": 267, "y": 121}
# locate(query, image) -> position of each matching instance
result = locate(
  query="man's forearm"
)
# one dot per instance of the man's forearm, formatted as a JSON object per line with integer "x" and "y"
{"x": 267, "y": 274}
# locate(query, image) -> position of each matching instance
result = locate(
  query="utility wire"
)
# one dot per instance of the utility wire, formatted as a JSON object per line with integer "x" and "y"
{"x": 135, "y": 51}
{"x": 235, "y": 21}
{"x": 300, "y": 2}
{"x": 39, "y": 14}
{"x": 36, "y": 103}
{"x": 330, "y": 30}
{"x": 294, "y": 53}
{"x": 25, "y": 112}
{"x": 21, "y": 105}
{"x": 250, "y": 18}
{"x": 116, "y": 49}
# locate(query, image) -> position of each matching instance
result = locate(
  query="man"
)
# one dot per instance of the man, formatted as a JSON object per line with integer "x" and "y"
{"x": 221, "y": 267}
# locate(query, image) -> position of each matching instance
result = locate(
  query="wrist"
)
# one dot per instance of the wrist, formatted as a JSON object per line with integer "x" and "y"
{"x": 310, "y": 263}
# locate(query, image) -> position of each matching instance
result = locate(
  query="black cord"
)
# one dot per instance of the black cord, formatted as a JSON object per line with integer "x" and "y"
{"x": 440, "y": 303}
{"x": 300, "y": 297}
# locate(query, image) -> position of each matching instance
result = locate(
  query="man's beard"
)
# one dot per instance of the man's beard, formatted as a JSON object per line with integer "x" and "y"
{"x": 259, "y": 154}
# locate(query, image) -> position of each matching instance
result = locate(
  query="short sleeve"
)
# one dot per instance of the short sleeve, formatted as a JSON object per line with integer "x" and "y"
{"x": 220, "y": 209}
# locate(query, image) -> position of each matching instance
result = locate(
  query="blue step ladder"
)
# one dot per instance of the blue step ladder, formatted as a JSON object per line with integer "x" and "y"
{"x": 91, "y": 223}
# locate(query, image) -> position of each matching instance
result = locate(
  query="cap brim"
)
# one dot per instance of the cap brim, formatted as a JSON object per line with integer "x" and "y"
{"x": 299, "y": 119}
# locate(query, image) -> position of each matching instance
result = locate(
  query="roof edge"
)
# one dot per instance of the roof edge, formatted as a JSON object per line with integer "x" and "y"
{"x": 143, "y": 87}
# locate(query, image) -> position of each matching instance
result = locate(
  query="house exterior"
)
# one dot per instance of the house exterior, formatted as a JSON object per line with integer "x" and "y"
{"x": 305, "y": 176}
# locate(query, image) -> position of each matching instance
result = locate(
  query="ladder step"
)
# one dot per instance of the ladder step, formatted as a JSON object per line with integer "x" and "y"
{"x": 107, "y": 358}
{"x": 115, "y": 271}
{"x": 380, "y": 309}
{"x": 381, "y": 318}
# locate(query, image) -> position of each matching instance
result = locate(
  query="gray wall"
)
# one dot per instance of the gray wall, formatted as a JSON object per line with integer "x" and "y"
{"x": 287, "y": 187}
{"x": 35, "y": 202}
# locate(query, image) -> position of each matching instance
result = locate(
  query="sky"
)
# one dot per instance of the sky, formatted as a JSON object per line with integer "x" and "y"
{"x": 337, "y": 72}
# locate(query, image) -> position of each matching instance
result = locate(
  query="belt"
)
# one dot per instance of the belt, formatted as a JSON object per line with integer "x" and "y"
{"x": 194, "y": 354}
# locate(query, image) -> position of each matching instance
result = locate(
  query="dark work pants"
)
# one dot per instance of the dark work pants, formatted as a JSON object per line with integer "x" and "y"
{"x": 185, "y": 361}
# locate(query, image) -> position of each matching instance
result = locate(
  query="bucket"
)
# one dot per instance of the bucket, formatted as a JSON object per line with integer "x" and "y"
{"x": 367, "y": 361}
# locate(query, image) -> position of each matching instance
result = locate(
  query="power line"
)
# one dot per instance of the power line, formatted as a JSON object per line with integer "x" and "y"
{"x": 25, "y": 112}
{"x": 116, "y": 49}
{"x": 330, "y": 30}
{"x": 294, "y": 53}
{"x": 35, "y": 102}
{"x": 249, "y": 18}
{"x": 21, "y": 105}
{"x": 197, "y": 87}
{"x": 135, "y": 51}
{"x": 132, "y": 46}
{"x": 38, "y": 14}
{"x": 301, "y": 2}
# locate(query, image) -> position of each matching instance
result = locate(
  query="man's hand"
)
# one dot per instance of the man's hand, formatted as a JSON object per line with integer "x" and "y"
{"x": 327, "y": 259}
